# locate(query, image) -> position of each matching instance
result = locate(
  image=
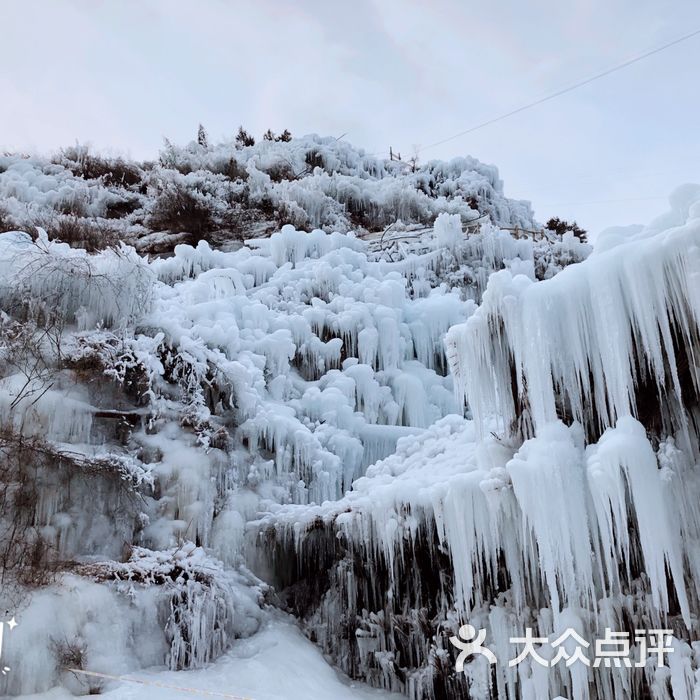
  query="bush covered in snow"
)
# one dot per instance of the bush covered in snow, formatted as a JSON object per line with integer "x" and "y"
{"x": 239, "y": 189}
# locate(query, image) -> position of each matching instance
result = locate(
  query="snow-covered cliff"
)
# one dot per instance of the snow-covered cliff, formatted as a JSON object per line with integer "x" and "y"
{"x": 388, "y": 434}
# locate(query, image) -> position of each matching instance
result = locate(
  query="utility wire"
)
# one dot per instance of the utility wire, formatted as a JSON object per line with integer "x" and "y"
{"x": 563, "y": 91}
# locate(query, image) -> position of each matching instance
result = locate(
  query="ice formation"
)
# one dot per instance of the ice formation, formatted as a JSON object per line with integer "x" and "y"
{"x": 152, "y": 409}
{"x": 390, "y": 435}
{"x": 566, "y": 501}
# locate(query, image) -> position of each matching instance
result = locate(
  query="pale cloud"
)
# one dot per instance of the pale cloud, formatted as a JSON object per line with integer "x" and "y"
{"x": 122, "y": 75}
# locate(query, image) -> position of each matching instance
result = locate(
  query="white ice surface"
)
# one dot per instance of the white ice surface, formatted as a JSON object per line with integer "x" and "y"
{"x": 278, "y": 663}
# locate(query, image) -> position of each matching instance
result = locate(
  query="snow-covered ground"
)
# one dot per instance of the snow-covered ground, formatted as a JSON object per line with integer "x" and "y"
{"x": 278, "y": 663}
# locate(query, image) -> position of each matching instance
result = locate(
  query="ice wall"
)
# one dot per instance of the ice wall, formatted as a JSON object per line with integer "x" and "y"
{"x": 592, "y": 343}
{"x": 568, "y": 501}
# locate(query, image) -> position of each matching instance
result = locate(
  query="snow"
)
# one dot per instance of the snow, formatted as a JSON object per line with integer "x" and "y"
{"x": 278, "y": 663}
{"x": 400, "y": 433}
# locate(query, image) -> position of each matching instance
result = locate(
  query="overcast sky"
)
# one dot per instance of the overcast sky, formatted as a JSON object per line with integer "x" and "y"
{"x": 123, "y": 74}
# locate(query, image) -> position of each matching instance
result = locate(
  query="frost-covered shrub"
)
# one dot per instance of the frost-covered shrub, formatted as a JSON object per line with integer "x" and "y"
{"x": 112, "y": 171}
{"x": 232, "y": 169}
{"x": 126, "y": 360}
{"x": 202, "y": 137}
{"x": 202, "y": 608}
{"x": 285, "y": 136}
{"x": 73, "y": 204}
{"x": 243, "y": 138}
{"x": 6, "y": 221}
{"x": 281, "y": 170}
{"x": 560, "y": 227}
{"x": 77, "y": 232}
{"x": 178, "y": 209}
{"x": 553, "y": 256}
{"x": 71, "y": 657}
{"x": 198, "y": 203}
{"x": 122, "y": 205}
{"x": 44, "y": 278}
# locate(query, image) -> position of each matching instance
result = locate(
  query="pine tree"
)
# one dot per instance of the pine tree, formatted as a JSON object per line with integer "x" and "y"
{"x": 202, "y": 138}
{"x": 269, "y": 136}
{"x": 244, "y": 138}
{"x": 561, "y": 226}
{"x": 284, "y": 136}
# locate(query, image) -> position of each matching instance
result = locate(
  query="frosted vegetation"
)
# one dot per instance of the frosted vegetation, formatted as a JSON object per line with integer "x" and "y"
{"x": 386, "y": 436}
{"x": 230, "y": 191}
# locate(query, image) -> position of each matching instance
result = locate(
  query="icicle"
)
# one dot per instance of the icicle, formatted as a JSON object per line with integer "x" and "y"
{"x": 623, "y": 476}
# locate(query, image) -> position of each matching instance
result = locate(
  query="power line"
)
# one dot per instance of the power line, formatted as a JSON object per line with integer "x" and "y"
{"x": 563, "y": 91}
